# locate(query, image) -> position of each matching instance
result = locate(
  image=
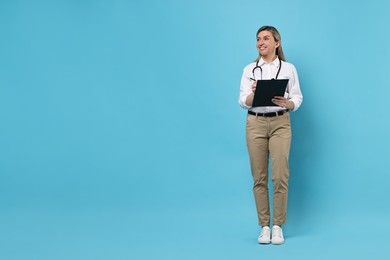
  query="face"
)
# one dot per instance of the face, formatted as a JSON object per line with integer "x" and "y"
{"x": 266, "y": 44}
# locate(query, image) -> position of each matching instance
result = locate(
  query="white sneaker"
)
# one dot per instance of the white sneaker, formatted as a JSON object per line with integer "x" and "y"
{"x": 277, "y": 235}
{"x": 265, "y": 236}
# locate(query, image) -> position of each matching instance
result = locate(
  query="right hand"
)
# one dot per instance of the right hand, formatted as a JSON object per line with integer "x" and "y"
{"x": 254, "y": 87}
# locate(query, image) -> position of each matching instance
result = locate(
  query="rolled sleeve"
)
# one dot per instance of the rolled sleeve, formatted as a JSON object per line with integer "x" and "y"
{"x": 295, "y": 94}
{"x": 245, "y": 89}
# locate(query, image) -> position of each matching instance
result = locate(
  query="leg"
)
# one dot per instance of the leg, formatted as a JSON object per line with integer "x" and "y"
{"x": 280, "y": 142}
{"x": 257, "y": 143}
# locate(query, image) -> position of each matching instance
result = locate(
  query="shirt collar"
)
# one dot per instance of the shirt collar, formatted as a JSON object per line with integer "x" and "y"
{"x": 274, "y": 62}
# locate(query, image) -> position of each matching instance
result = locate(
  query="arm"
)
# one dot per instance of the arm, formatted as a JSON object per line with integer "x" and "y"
{"x": 294, "y": 98}
{"x": 246, "y": 94}
{"x": 249, "y": 98}
{"x": 295, "y": 94}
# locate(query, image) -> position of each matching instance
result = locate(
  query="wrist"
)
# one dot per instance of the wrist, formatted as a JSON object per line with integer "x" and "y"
{"x": 290, "y": 105}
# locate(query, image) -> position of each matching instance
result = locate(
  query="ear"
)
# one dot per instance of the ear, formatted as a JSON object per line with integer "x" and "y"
{"x": 277, "y": 44}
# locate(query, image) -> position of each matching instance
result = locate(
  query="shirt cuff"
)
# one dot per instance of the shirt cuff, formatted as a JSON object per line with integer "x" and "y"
{"x": 243, "y": 103}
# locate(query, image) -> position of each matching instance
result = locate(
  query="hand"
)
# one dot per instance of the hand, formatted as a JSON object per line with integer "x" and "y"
{"x": 280, "y": 101}
{"x": 254, "y": 86}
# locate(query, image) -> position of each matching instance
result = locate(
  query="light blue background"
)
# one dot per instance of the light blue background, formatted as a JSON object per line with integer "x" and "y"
{"x": 121, "y": 136}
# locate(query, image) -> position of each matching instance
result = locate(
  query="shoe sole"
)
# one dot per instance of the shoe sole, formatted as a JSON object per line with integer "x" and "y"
{"x": 264, "y": 242}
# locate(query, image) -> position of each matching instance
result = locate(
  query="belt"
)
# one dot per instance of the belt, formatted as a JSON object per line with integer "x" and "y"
{"x": 270, "y": 114}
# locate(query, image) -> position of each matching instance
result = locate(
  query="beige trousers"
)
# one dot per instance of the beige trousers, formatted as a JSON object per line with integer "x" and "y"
{"x": 269, "y": 137}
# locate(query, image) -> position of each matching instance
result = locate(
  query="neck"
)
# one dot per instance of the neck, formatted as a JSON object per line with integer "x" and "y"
{"x": 269, "y": 58}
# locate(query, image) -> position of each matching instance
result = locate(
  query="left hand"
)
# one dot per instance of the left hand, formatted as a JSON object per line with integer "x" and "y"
{"x": 280, "y": 101}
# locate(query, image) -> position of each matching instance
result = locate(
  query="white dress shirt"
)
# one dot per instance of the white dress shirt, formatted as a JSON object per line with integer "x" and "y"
{"x": 288, "y": 71}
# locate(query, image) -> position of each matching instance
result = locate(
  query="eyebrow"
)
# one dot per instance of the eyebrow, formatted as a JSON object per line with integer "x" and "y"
{"x": 265, "y": 36}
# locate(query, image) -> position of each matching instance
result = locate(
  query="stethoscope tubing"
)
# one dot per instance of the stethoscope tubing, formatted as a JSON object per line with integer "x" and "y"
{"x": 261, "y": 70}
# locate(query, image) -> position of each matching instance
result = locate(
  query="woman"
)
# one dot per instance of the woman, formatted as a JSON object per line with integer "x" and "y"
{"x": 268, "y": 130}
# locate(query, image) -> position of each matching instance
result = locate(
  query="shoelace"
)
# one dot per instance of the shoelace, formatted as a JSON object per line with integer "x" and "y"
{"x": 277, "y": 232}
{"x": 264, "y": 232}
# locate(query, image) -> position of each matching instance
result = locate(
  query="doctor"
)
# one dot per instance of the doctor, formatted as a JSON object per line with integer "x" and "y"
{"x": 268, "y": 131}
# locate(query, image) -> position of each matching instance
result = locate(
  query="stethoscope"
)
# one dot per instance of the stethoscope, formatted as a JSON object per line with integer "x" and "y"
{"x": 261, "y": 70}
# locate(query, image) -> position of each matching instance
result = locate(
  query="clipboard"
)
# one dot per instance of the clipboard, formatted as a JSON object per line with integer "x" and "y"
{"x": 266, "y": 90}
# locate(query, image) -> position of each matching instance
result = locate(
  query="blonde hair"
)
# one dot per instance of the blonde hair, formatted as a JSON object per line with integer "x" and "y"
{"x": 277, "y": 38}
